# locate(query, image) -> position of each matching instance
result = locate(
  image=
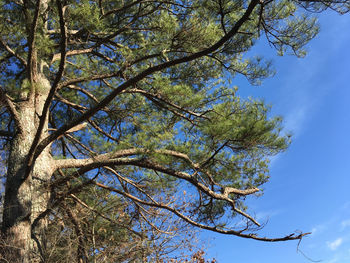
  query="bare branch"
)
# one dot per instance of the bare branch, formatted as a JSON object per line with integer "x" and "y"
{"x": 194, "y": 223}
{"x": 76, "y": 199}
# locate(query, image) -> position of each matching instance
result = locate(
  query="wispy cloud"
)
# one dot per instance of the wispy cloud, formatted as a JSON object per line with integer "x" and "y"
{"x": 295, "y": 119}
{"x": 335, "y": 244}
{"x": 266, "y": 215}
{"x": 345, "y": 223}
{"x": 333, "y": 260}
{"x": 318, "y": 229}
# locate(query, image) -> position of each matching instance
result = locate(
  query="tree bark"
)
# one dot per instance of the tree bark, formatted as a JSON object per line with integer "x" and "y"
{"x": 26, "y": 197}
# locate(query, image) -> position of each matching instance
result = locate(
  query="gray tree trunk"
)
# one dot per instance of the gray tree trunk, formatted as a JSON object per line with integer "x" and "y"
{"x": 26, "y": 199}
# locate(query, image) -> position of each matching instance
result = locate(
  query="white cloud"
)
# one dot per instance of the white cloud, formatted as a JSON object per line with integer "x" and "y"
{"x": 345, "y": 223}
{"x": 335, "y": 244}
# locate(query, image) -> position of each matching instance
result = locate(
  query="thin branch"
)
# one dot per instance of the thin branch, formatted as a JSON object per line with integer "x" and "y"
{"x": 9, "y": 104}
{"x": 81, "y": 253}
{"x": 13, "y": 53}
{"x": 87, "y": 93}
{"x": 165, "y": 101}
{"x": 82, "y": 203}
{"x": 5, "y": 133}
{"x": 113, "y": 11}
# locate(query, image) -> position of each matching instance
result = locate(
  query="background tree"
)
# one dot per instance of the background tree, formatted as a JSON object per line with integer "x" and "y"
{"x": 133, "y": 98}
{"x": 81, "y": 229}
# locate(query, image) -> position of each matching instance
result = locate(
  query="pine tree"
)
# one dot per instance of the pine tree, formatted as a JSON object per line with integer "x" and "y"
{"x": 133, "y": 98}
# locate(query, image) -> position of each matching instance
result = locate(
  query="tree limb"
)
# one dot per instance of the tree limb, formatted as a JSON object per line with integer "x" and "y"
{"x": 114, "y": 159}
{"x": 106, "y": 157}
{"x": 71, "y": 53}
{"x": 51, "y": 94}
{"x": 194, "y": 223}
{"x": 32, "y": 63}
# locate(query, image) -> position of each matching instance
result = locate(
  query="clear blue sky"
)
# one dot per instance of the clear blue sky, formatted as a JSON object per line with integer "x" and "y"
{"x": 309, "y": 186}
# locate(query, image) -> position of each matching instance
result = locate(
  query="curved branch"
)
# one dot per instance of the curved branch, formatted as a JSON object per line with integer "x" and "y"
{"x": 194, "y": 223}
{"x": 114, "y": 159}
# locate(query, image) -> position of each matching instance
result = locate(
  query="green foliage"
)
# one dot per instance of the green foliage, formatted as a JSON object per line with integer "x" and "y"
{"x": 162, "y": 86}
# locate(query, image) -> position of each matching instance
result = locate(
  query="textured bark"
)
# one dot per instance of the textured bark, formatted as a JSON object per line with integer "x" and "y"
{"x": 26, "y": 198}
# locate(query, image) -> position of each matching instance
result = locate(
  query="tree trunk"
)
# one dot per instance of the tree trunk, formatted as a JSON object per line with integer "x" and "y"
{"x": 26, "y": 199}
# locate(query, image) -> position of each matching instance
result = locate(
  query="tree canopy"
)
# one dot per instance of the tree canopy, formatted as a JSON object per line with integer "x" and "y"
{"x": 122, "y": 116}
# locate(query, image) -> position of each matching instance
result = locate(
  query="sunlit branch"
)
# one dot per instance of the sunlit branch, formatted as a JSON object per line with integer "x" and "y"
{"x": 101, "y": 158}
{"x": 107, "y": 159}
{"x": 71, "y": 53}
{"x": 82, "y": 109}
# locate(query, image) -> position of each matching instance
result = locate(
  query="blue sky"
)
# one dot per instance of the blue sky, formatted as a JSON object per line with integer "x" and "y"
{"x": 309, "y": 186}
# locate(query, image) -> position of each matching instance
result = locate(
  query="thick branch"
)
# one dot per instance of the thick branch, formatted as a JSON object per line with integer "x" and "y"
{"x": 107, "y": 157}
{"x": 51, "y": 94}
{"x": 32, "y": 63}
{"x": 71, "y": 53}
